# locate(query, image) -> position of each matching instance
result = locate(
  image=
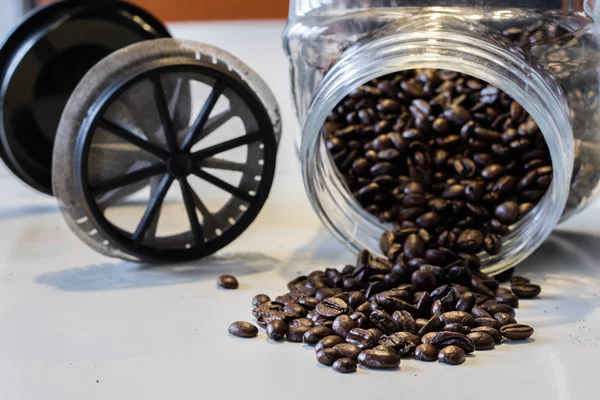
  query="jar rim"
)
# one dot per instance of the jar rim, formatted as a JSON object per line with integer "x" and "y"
{"x": 541, "y": 98}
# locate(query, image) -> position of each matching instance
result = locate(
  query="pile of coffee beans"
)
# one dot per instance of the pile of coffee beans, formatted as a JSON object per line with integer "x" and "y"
{"x": 379, "y": 311}
{"x": 452, "y": 161}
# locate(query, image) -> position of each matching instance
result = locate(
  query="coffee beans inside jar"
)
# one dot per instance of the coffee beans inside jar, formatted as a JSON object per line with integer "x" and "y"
{"x": 449, "y": 160}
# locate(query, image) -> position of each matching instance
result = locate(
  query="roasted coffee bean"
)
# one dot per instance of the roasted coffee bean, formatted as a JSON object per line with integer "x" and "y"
{"x": 314, "y": 335}
{"x": 328, "y": 356}
{"x": 426, "y": 352}
{"x": 457, "y": 317}
{"x": 452, "y": 355}
{"x": 308, "y": 302}
{"x": 364, "y": 309}
{"x": 506, "y": 296}
{"x": 526, "y": 290}
{"x": 362, "y": 338}
{"x": 296, "y": 333}
{"x": 444, "y": 339}
{"x": 379, "y": 359}
{"x": 507, "y": 213}
{"x": 384, "y": 321}
{"x": 328, "y": 342}
{"x": 332, "y": 307}
{"x": 503, "y": 308}
{"x": 481, "y": 340}
{"x": 458, "y": 328}
{"x": 423, "y": 279}
{"x": 344, "y": 365}
{"x": 516, "y": 331}
{"x": 504, "y": 319}
{"x": 478, "y": 312}
{"x": 403, "y": 343}
{"x": 433, "y": 324}
{"x": 405, "y": 321}
{"x": 494, "y": 333}
{"x": 326, "y": 292}
{"x": 492, "y": 244}
{"x": 342, "y": 325}
{"x": 276, "y": 330}
{"x": 243, "y": 329}
{"x": 426, "y": 339}
{"x": 485, "y": 321}
{"x": 348, "y": 350}
{"x": 414, "y": 247}
{"x": 227, "y": 282}
{"x": 295, "y": 310}
{"x": 259, "y": 299}
{"x": 470, "y": 240}
{"x": 466, "y": 302}
{"x": 376, "y": 332}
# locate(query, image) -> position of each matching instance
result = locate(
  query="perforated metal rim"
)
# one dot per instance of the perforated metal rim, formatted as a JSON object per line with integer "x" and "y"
{"x": 34, "y": 26}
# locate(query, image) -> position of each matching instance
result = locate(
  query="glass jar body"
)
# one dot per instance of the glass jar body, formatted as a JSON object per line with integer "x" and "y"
{"x": 545, "y": 59}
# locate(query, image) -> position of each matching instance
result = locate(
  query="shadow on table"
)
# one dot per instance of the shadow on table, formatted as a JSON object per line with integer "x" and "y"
{"x": 323, "y": 251}
{"x": 27, "y": 211}
{"x": 568, "y": 264}
{"x": 129, "y": 275}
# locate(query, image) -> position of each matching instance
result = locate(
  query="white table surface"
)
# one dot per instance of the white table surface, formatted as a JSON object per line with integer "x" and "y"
{"x": 76, "y": 325}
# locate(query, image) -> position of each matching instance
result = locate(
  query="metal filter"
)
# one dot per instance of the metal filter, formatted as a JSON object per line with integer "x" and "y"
{"x": 165, "y": 151}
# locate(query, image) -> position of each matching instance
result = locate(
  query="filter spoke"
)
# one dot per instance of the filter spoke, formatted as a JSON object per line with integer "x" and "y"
{"x": 200, "y": 122}
{"x": 228, "y": 145}
{"x": 132, "y": 138}
{"x": 128, "y": 179}
{"x": 163, "y": 112}
{"x": 152, "y": 210}
{"x": 190, "y": 206}
{"x": 221, "y": 184}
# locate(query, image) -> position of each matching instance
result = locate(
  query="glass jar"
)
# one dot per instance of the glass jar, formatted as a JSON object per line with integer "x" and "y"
{"x": 544, "y": 54}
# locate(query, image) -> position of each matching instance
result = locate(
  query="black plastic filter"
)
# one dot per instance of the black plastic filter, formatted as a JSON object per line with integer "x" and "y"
{"x": 43, "y": 60}
{"x": 151, "y": 136}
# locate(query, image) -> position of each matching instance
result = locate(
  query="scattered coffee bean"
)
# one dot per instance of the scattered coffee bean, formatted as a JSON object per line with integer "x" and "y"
{"x": 379, "y": 359}
{"x": 481, "y": 340}
{"x": 452, "y": 355}
{"x": 516, "y": 331}
{"x": 348, "y": 350}
{"x": 426, "y": 352}
{"x": 228, "y": 282}
{"x": 328, "y": 356}
{"x": 526, "y": 290}
{"x": 314, "y": 335}
{"x": 259, "y": 299}
{"x": 328, "y": 342}
{"x": 276, "y": 330}
{"x": 344, "y": 365}
{"x": 243, "y": 329}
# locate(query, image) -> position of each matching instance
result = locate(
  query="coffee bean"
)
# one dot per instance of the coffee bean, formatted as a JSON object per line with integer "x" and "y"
{"x": 506, "y": 296}
{"x": 302, "y": 322}
{"x": 295, "y": 310}
{"x": 494, "y": 333}
{"x": 507, "y": 213}
{"x": 243, "y": 329}
{"x": 405, "y": 321}
{"x": 362, "y": 338}
{"x": 296, "y": 333}
{"x": 485, "y": 321}
{"x": 452, "y": 355}
{"x": 433, "y": 324}
{"x": 276, "y": 330}
{"x": 481, "y": 340}
{"x": 344, "y": 365}
{"x": 332, "y": 307}
{"x": 314, "y": 335}
{"x": 328, "y": 356}
{"x": 457, "y": 317}
{"x": 504, "y": 319}
{"x": 328, "y": 342}
{"x": 478, "y": 312}
{"x": 444, "y": 339}
{"x": 325, "y": 292}
{"x": 516, "y": 331}
{"x": 379, "y": 359}
{"x": 259, "y": 299}
{"x": 526, "y": 290}
{"x": 342, "y": 325}
{"x": 470, "y": 240}
{"x": 384, "y": 321}
{"x": 227, "y": 282}
{"x": 466, "y": 302}
{"x": 426, "y": 352}
{"x": 414, "y": 247}
{"x": 348, "y": 350}
{"x": 503, "y": 308}
{"x": 492, "y": 244}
